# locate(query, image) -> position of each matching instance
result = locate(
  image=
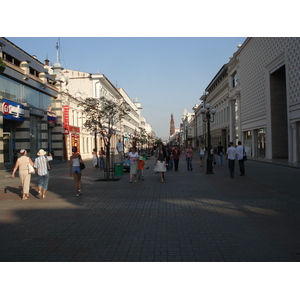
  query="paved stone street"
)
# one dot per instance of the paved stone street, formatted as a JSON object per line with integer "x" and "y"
{"x": 191, "y": 217}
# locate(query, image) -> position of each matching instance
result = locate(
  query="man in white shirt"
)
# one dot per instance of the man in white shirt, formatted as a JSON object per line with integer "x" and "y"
{"x": 120, "y": 149}
{"x": 240, "y": 153}
{"x": 231, "y": 156}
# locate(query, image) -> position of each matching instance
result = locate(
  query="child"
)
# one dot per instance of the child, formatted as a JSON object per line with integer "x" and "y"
{"x": 141, "y": 164}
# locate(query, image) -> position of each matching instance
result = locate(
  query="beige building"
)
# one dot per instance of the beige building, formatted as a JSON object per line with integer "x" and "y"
{"x": 257, "y": 100}
{"x": 269, "y": 109}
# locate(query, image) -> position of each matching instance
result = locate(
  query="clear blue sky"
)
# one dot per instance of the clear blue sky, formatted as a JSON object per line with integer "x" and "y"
{"x": 166, "y": 74}
{"x": 164, "y": 53}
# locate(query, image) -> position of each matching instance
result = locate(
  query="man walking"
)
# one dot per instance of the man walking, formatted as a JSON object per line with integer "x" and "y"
{"x": 240, "y": 153}
{"x": 189, "y": 157}
{"x": 176, "y": 156}
{"x": 231, "y": 156}
{"x": 120, "y": 149}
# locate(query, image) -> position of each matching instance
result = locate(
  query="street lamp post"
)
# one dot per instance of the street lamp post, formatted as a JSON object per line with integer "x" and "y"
{"x": 208, "y": 117}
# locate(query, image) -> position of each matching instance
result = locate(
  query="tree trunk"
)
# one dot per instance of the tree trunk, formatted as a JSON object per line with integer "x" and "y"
{"x": 108, "y": 161}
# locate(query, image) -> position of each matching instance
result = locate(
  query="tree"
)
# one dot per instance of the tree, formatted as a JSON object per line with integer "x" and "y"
{"x": 143, "y": 137}
{"x": 103, "y": 116}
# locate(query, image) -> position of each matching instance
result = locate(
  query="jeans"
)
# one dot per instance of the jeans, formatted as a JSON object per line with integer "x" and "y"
{"x": 101, "y": 163}
{"x": 189, "y": 163}
{"x": 231, "y": 163}
{"x": 170, "y": 166}
{"x": 242, "y": 167}
{"x": 220, "y": 158}
{"x": 176, "y": 161}
{"x": 43, "y": 181}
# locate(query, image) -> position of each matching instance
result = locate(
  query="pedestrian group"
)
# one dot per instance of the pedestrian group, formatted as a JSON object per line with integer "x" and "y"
{"x": 165, "y": 159}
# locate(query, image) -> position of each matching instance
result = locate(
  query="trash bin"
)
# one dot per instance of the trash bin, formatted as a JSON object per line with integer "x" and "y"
{"x": 144, "y": 156}
{"x": 118, "y": 168}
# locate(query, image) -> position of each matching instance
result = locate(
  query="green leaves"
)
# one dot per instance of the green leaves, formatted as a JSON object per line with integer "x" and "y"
{"x": 103, "y": 115}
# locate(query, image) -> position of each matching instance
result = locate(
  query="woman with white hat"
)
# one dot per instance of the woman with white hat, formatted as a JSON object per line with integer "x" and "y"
{"x": 41, "y": 165}
{"x": 25, "y": 177}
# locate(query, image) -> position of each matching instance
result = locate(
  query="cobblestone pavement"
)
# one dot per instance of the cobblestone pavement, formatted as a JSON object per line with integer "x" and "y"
{"x": 191, "y": 217}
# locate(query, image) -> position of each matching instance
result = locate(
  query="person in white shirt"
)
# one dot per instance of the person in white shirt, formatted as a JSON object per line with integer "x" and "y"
{"x": 120, "y": 149}
{"x": 134, "y": 157}
{"x": 202, "y": 154}
{"x": 240, "y": 153}
{"x": 231, "y": 156}
{"x": 41, "y": 165}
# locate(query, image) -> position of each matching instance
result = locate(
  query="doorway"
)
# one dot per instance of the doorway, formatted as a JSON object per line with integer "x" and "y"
{"x": 7, "y": 147}
{"x": 279, "y": 119}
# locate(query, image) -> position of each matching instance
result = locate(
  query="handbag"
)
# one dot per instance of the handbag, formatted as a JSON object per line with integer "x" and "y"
{"x": 81, "y": 164}
{"x": 31, "y": 169}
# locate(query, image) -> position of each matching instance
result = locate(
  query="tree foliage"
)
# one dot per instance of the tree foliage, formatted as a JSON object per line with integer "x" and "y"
{"x": 103, "y": 116}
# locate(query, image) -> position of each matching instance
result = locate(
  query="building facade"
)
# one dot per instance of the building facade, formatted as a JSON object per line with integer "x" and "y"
{"x": 27, "y": 119}
{"x": 257, "y": 100}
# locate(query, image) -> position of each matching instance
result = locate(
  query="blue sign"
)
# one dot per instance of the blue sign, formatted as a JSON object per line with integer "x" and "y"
{"x": 12, "y": 110}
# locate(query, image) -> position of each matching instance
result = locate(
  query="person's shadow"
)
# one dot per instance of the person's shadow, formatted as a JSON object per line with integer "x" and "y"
{"x": 18, "y": 191}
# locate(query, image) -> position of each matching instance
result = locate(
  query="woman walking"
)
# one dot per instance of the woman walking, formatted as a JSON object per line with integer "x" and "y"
{"x": 75, "y": 160}
{"x": 95, "y": 158}
{"x": 41, "y": 165}
{"x": 134, "y": 157}
{"x": 22, "y": 163}
{"x": 202, "y": 154}
{"x": 101, "y": 158}
{"x": 161, "y": 159}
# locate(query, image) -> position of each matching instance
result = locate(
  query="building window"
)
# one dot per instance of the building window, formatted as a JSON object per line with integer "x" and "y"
{"x": 234, "y": 80}
{"x": 33, "y": 72}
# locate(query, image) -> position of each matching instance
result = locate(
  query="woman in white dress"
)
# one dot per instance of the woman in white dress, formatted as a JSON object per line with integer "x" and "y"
{"x": 161, "y": 160}
{"x": 95, "y": 158}
{"x": 133, "y": 157}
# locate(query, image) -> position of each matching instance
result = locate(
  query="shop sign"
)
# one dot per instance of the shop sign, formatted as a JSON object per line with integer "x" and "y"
{"x": 12, "y": 110}
{"x": 36, "y": 112}
{"x": 51, "y": 117}
{"x": 74, "y": 129}
{"x": 75, "y": 141}
{"x": 66, "y": 115}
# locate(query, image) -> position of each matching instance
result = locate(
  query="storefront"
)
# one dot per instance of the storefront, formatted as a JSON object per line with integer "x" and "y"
{"x": 13, "y": 116}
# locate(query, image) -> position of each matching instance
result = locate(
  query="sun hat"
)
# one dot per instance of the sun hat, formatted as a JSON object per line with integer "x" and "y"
{"x": 41, "y": 152}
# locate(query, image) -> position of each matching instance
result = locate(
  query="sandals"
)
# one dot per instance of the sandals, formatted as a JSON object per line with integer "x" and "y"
{"x": 24, "y": 197}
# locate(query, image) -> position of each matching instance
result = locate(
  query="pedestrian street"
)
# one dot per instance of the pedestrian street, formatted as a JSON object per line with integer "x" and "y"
{"x": 190, "y": 217}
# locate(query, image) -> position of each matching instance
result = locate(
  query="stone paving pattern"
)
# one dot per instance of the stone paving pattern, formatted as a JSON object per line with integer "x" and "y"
{"x": 191, "y": 217}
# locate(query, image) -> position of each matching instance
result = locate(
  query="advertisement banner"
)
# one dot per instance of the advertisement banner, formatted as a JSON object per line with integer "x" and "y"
{"x": 12, "y": 110}
{"x": 66, "y": 119}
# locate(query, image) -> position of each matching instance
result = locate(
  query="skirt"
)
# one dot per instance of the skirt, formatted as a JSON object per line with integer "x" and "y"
{"x": 133, "y": 167}
{"x": 160, "y": 166}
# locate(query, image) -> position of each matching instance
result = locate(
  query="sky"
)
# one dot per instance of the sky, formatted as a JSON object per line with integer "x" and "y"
{"x": 166, "y": 74}
{"x": 164, "y": 53}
